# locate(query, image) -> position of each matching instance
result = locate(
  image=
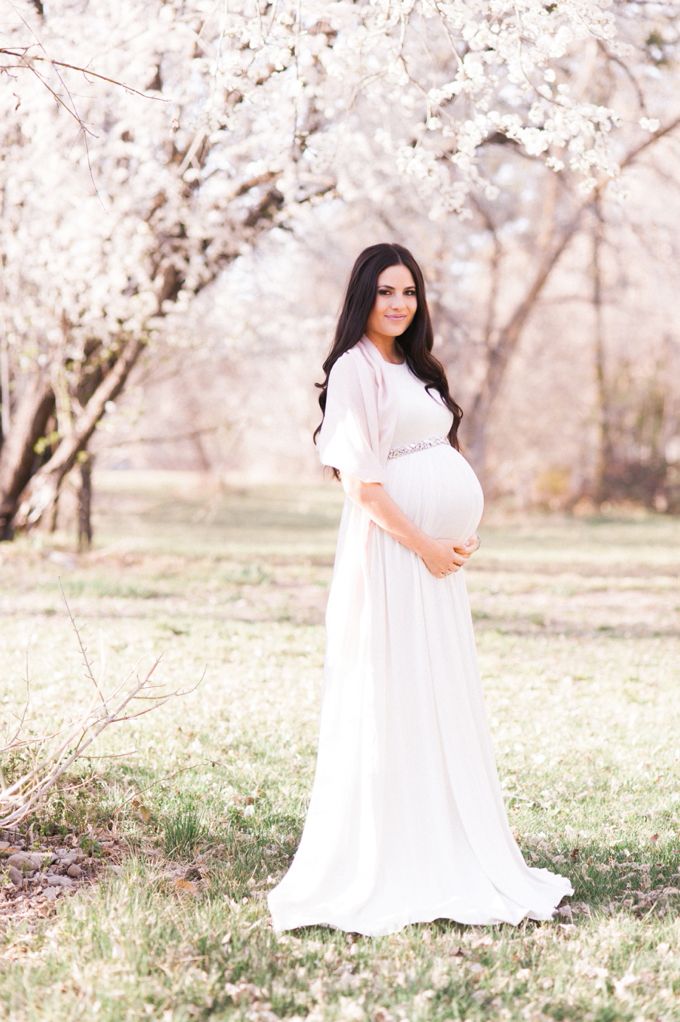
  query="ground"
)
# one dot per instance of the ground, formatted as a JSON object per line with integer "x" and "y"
{"x": 183, "y": 819}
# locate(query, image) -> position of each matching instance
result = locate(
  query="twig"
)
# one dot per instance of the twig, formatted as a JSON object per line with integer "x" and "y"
{"x": 74, "y": 67}
{"x": 75, "y": 736}
{"x": 88, "y": 668}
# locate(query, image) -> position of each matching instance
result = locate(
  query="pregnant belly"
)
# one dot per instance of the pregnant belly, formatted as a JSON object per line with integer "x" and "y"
{"x": 438, "y": 490}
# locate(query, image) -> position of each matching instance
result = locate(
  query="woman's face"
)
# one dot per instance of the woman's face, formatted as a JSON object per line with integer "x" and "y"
{"x": 395, "y": 302}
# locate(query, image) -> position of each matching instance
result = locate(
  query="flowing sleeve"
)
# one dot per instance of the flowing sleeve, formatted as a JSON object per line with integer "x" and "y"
{"x": 346, "y": 440}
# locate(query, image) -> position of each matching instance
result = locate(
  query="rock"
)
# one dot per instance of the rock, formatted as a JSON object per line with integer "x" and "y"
{"x": 9, "y": 850}
{"x": 74, "y": 871}
{"x": 24, "y": 861}
{"x": 52, "y": 892}
{"x": 15, "y": 876}
{"x": 56, "y": 880}
{"x": 43, "y": 858}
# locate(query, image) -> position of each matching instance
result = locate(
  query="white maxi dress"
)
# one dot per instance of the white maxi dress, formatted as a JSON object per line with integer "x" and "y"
{"x": 406, "y": 820}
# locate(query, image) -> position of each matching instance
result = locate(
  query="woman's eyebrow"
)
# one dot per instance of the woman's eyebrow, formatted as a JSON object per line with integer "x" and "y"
{"x": 392, "y": 288}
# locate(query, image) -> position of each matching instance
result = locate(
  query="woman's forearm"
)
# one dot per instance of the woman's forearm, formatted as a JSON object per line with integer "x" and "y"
{"x": 377, "y": 503}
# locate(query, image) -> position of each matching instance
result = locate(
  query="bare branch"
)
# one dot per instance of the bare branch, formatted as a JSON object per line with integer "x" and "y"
{"x": 26, "y": 61}
{"x": 83, "y": 650}
{"x": 170, "y": 438}
{"x": 51, "y": 759}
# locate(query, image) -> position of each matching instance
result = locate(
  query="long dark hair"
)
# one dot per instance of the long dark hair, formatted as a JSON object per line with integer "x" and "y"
{"x": 415, "y": 343}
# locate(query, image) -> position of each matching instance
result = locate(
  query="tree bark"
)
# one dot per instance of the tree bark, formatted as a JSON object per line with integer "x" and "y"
{"x": 18, "y": 457}
{"x": 603, "y": 447}
{"x": 85, "y": 504}
{"x": 507, "y": 340}
{"x": 43, "y": 488}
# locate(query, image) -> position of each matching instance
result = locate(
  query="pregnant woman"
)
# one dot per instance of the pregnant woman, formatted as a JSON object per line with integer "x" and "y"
{"x": 406, "y": 821}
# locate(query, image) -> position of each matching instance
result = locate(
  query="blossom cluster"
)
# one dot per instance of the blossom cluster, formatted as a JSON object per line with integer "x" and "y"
{"x": 244, "y": 113}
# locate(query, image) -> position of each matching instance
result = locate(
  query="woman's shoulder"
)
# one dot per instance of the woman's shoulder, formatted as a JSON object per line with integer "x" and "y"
{"x": 348, "y": 365}
{"x": 351, "y": 378}
{"x": 352, "y": 355}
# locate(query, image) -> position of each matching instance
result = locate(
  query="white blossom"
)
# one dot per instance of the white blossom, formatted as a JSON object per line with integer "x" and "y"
{"x": 312, "y": 99}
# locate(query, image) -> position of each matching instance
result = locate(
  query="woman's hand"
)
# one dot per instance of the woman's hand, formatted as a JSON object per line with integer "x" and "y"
{"x": 441, "y": 557}
{"x": 471, "y": 544}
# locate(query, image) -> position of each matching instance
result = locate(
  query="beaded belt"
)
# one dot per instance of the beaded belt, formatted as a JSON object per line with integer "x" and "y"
{"x": 419, "y": 445}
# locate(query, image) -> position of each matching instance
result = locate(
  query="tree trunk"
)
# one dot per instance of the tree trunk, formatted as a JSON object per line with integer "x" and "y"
{"x": 43, "y": 488}
{"x": 507, "y": 340}
{"x": 85, "y": 504}
{"x": 603, "y": 443}
{"x": 53, "y": 518}
{"x": 5, "y": 388}
{"x": 18, "y": 457}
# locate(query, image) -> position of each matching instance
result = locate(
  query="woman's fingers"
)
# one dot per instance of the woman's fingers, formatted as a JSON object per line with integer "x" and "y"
{"x": 470, "y": 545}
{"x": 460, "y": 554}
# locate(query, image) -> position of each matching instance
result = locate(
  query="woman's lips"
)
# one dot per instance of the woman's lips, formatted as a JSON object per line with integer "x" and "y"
{"x": 396, "y": 317}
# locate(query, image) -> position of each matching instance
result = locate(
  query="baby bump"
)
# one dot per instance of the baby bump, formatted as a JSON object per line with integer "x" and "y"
{"x": 438, "y": 490}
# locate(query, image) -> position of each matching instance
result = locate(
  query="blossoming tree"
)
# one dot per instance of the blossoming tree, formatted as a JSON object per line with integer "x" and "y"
{"x": 121, "y": 203}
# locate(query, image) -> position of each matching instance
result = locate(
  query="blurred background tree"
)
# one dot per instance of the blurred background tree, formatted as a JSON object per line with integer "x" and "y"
{"x": 175, "y": 250}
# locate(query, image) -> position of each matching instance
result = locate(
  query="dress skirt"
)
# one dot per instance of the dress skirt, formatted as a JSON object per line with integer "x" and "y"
{"x": 406, "y": 820}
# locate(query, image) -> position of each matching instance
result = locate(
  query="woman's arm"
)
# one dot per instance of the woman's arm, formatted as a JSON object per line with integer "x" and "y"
{"x": 376, "y": 501}
{"x": 438, "y": 554}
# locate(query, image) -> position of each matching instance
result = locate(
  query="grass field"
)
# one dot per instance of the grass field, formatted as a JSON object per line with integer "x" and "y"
{"x": 577, "y": 632}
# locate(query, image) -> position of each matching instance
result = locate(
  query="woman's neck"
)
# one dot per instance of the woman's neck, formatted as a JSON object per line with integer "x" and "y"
{"x": 386, "y": 346}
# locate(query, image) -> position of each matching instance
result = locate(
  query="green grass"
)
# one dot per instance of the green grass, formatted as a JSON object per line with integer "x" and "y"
{"x": 577, "y": 633}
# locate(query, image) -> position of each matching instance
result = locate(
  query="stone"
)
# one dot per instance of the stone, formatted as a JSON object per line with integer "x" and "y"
{"x": 15, "y": 876}
{"x": 57, "y": 880}
{"x": 23, "y": 861}
{"x": 43, "y": 858}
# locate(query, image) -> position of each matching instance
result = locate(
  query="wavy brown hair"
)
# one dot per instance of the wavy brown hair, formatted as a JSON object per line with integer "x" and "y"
{"x": 415, "y": 343}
